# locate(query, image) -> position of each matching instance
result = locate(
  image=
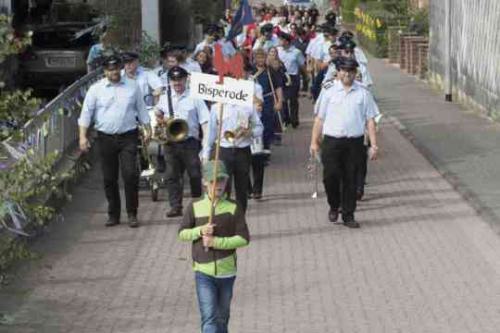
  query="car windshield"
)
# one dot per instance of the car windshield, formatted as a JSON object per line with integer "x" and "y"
{"x": 60, "y": 38}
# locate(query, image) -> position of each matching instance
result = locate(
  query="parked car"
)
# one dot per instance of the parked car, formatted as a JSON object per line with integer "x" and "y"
{"x": 56, "y": 58}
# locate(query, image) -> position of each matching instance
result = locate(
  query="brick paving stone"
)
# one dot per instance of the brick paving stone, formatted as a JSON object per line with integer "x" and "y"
{"x": 423, "y": 260}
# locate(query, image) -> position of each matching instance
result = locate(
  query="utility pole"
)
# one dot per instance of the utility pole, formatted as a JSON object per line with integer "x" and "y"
{"x": 447, "y": 53}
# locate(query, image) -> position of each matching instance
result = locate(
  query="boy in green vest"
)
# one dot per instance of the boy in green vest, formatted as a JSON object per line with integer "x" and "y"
{"x": 214, "y": 247}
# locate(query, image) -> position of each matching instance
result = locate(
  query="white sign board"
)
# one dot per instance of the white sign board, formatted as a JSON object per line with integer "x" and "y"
{"x": 205, "y": 86}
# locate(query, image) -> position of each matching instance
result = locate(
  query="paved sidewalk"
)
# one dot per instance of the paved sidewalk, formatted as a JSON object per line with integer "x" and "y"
{"x": 461, "y": 144}
{"x": 423, "y": 261}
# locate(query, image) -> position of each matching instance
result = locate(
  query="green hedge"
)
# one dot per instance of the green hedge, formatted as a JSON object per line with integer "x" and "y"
{"x": 348, "y": 7}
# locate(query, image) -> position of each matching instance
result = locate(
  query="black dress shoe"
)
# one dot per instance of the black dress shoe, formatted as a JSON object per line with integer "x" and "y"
{"x": 351, "y": 224}
{"x": 174, "y": 212}
{"x": 133, "y": 222}
{"x": 359, "y": 195}
{"x": 333, "y": 215}
{"x": 257, "y": 196}
{"x": 112, "y": 222}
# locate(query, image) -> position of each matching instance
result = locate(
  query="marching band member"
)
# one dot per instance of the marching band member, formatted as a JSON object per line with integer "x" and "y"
{"x": 330, "y": 37}
{"x": 243, "y": 124}
{"x": 183, "y": 155}
{"x": 267, "y": 39}
{"x": 348, "y": 48}
{"x": 213, "y": 37}
{"x": 146, "y": 80}
{"x": 114, "y": 104}
{"x": 346, "y": 110}
{"x": 272, "y": 102}
{"x": 175, "y": 55}
{"x": 294, "y": 62}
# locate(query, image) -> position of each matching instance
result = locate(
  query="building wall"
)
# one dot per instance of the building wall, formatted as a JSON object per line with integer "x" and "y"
{"x": 475, "y": 49}
{"x": 128, "y": 17}
{"x": 6, "y": 6}
{"x": 182, "y": 20}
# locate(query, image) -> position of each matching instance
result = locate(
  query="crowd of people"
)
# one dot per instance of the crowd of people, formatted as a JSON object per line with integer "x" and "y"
{"x": 286, "y": 52}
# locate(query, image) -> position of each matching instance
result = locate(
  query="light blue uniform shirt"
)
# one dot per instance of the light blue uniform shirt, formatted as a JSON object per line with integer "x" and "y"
{"x": 145, "y": 79}
{"x": 344, "y": 114}
{"x": 324, "y": 53}
{"x": 314, "y": 49}
{"x": 191, "y": 66}
{"x": 331, "y": 73}
{"x": 292, "y": 58}
{"x": 267, "y": 44}
{"x": 193, "y": 111}
{"x": 325, "y": 86}
{"x": 234, "y": 116}
{"x": 113, "y": 107}
{"x": 94, "y": 53}
{"x": 162, "y": 73}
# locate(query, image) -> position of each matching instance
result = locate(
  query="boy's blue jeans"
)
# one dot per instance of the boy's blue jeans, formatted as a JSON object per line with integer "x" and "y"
{"x": 214, "y": 299}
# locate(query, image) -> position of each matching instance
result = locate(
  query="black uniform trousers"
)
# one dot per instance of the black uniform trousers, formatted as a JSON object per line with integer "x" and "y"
{"x": 341, "y": 158}
{"x": 258, "y": 167}
{"x": 119, "y": 151}
{"x": 292, "y": 99}
{"x": 237, "y": 162}
{"x": 180, "y": 157}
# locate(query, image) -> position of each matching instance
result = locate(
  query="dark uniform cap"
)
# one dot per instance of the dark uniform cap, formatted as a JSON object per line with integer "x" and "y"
{"x": 111, "y": 60}
{"x": 330, "y": 17}
{"x": 212, "y": 29}
{"x": 337, "y": 62}
{"x": 129, "y": 56}
{"x": 180, "y": 47}
{"x": 266, "y": 28}
{"x": 285, "y": 36}
{"x": 349, "y": 45}
{"x": 344, "y": 39}
{"x": 330, "y": 29}
{"x": 347, "y": 63}
{"x": 347, "y": 34}
{"x": 177, "y": 73}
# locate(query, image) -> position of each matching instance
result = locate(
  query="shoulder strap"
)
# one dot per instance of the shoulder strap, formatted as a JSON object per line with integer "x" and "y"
{"x": 169, "y": 97}
{"x": 272, "y": 84}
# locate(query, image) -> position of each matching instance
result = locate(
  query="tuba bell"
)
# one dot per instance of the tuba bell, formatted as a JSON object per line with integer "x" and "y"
{"x": 230, "y": 136}
{"x": 176, "y": 129}
{"x": 171, "y": 131}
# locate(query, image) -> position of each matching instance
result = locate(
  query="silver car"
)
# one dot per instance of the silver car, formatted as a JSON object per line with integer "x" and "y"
{"x": 56, "y": 58}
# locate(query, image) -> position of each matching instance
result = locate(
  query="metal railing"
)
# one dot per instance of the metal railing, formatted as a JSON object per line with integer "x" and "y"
{"x": 54, "y": 128}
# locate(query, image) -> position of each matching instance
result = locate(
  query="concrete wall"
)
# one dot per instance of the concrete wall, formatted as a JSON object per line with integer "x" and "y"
{"x": 6, "y": 6}
{"x": 475, "y": 52}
